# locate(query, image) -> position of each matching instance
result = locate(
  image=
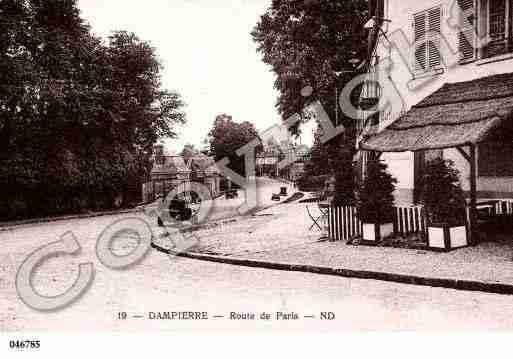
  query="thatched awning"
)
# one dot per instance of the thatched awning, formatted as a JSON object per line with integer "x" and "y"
{"x": 455, "y": 115}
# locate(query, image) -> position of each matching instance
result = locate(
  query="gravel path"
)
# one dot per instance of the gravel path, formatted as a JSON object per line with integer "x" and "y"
{"x": 281, "y": 235}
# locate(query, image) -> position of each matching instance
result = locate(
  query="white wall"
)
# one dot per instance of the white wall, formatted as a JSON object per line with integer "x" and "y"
{"x": 461, "y": 164}
{"x": 400, "y": 165}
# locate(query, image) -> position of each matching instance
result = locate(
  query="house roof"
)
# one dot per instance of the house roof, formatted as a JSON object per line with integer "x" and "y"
{"x": 172, "y": 164}
{"x": 201, "y": 162}
{"x": 303, "y": 150}
{"x": 455, "y": 115}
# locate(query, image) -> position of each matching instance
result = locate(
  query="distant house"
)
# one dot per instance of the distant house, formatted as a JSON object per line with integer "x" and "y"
{"x": 203, "y": 170}
{"x": 169, "y": 172}
{"x": 299, "y": 155}
{"x": 268, "y": 161}
{"x": 296, "y": 171}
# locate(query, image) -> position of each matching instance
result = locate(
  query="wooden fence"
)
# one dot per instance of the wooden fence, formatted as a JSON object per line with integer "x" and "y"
{"x": 344, "y": 224}
{"x": 409, "y": 220}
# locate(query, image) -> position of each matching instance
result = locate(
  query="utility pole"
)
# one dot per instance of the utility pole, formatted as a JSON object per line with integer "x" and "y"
{"x": 336, "y": 103}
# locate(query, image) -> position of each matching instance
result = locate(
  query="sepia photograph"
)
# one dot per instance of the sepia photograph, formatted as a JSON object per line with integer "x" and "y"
{"x": 255, "y": 166}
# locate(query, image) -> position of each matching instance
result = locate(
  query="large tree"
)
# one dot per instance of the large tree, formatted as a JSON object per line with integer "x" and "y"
{"x": 306, "y": 43}
{"x": 317, "y": 165}
{"x": 228, "y": 136}
{"x": 78, "y": 116}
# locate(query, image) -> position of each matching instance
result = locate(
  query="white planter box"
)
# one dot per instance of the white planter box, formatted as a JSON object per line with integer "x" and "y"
{"x": 369, "y": 231}
{"x": 446, "y": 238}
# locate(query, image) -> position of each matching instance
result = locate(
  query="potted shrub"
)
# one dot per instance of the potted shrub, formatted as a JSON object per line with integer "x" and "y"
{"x": 444, "y": 204}
{"x": 376, "y": 202}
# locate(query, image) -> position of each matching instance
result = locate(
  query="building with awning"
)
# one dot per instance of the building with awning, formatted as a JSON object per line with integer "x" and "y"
{"x": 475, "y": 118}
{"x": 456, "y": 115}
{"x": 448, "y": 91}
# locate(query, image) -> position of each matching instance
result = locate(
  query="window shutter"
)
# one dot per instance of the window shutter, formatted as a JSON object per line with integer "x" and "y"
{"x": 434, "y": 52}
{"x": 419, "y": 24}
{"x": 434, "y": 22}
{"x": 427, "y": 31}
{"x": 467, "y": 35}
{"x": 420, "y": 57}
{"x": 419, "y": 31}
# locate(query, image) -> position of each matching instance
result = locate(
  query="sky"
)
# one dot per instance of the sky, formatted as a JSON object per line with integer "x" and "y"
{"x": 208, "y": 55}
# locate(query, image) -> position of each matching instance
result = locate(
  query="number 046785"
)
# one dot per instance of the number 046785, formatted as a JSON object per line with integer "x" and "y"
{"x": 24, "y": 344}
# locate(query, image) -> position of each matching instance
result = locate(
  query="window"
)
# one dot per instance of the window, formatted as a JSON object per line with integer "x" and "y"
{"x": 497, "y": 19}
{"x": 427, "y": 28}
{"x": 493, "y": 26}
{"x": 495, "y": 159}
{"x": 497, "y": 26}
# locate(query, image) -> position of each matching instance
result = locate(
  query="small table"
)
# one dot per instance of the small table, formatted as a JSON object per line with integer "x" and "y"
{"x": 489, "y": 206}
{"x": 324, "y": 208}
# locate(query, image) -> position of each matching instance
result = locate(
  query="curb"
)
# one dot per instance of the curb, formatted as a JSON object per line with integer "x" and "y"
{"x": 468, "y": 285}
{"x": 28, "y": 222}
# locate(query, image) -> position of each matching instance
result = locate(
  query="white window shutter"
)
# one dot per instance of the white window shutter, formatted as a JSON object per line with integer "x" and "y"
{"x": 420, "y": 31}
{"x": 434, "y": 57}
{"x": 419, "y": 25}
{"x": 427, "y": 34}
{"x": 435, "y": 29}
{"x": 435, "y": 20}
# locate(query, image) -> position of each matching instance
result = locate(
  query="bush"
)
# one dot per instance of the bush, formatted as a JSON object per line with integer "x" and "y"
{"x": 376, "y": 194}
{"x": 344, "y": 186}
{"x": 312, "y": 183}
{"x": 441, "y": 193}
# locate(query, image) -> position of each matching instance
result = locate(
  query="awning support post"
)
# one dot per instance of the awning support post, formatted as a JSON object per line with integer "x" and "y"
{"x": 464, "y": 154}
{"x": 471, "y": 158}
{"x": 473, "y": 195}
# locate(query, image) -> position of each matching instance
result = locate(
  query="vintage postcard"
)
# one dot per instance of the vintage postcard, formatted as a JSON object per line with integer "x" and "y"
{"x": 255, "y": 166}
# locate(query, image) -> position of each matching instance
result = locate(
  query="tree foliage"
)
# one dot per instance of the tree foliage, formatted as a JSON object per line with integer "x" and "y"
{"x": 317, "y": 165}
{"x": 441, "y": 193}
{"x": 305, "y": 43}
{"x": 376, "y": 194}
{"x": 78, "y": 116}
{"x": 228, "y": 136}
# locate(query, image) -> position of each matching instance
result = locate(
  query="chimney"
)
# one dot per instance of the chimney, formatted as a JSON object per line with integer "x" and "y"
{"x": 158, "y": 154}
{"x": 377, "y": 9}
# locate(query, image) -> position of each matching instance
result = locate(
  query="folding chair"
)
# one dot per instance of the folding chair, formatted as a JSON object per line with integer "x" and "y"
{"x": 315, "y": 218}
